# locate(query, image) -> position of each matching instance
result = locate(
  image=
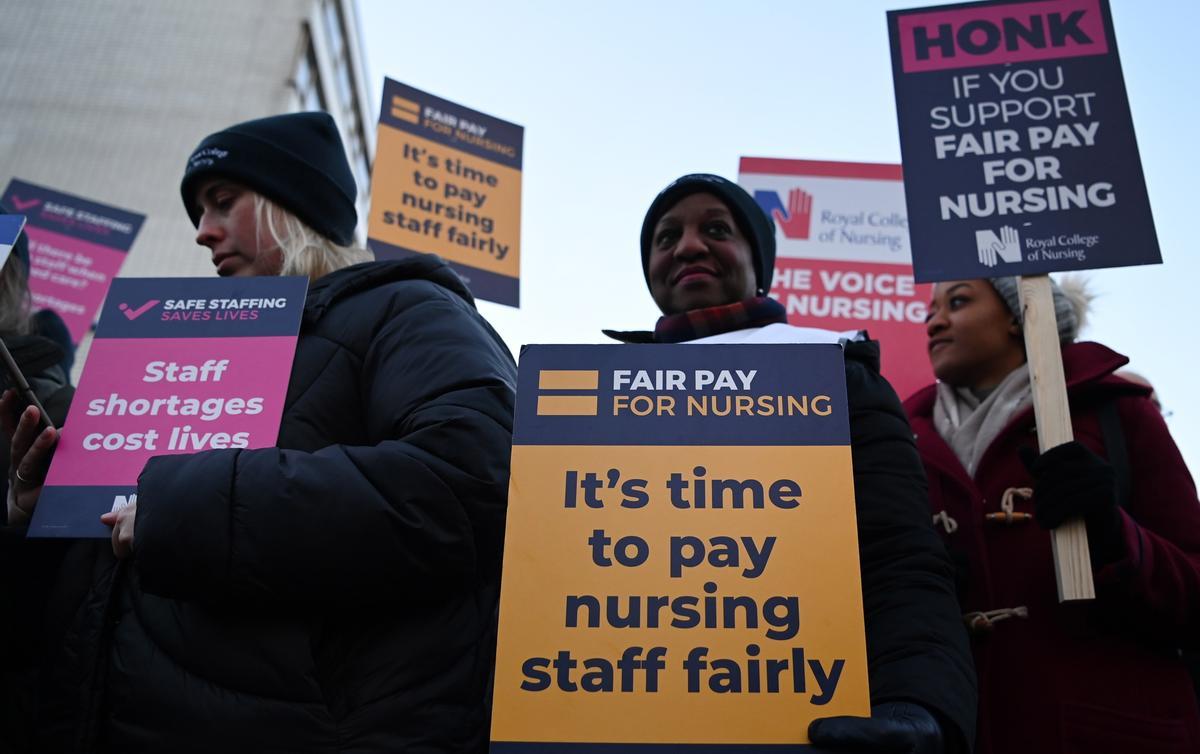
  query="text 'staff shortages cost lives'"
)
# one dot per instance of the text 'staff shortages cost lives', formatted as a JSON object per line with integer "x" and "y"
{"x": 1018, "y": 147}
{"x": 681, "y": 559}
{"x": 76, "y": 247}
{"x": 447, "y": 181}
{"x": 178, "y": 365}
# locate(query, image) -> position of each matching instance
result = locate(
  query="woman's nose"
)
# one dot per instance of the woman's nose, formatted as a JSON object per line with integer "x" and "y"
{"x": 208, "y": 231}
{"x": 935, "y": 323}
{"x": 691, "y": 243}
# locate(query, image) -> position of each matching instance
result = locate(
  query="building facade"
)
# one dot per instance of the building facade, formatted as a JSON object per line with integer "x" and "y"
{"x": 107, "y": 98}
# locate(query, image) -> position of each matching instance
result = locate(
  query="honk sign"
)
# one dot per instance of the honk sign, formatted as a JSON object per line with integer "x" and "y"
{"x": 178, "y": 365}
{"x": 1018, "y": 144}
{"x": 681, "y": 560}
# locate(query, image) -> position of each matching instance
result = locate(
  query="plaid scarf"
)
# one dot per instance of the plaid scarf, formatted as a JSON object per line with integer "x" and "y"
{"x": 700, "y": 323}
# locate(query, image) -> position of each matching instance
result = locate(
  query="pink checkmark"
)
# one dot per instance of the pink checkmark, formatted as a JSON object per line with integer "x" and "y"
{"x": 21, "y": 204}
{"x": 135, "y": 313}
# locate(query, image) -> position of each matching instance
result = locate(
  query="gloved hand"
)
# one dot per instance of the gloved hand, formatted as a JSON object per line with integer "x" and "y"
{"x": 892, "y": 728}
{"x": 1069, "y": 481}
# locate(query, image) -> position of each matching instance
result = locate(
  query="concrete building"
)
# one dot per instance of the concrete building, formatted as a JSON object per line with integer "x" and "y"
{"x": 107, "y": 98}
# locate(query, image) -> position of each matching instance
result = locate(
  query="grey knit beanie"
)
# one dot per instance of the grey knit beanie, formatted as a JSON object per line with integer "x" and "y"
{"x": 1064, "y": 309}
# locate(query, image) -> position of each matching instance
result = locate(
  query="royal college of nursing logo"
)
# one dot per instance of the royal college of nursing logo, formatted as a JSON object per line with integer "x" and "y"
{"x": 796, "y": 220}
{"x": 1002, "y": 247}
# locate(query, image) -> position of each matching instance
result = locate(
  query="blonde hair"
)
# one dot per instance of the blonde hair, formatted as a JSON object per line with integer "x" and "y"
{"x": 305, "y": 251}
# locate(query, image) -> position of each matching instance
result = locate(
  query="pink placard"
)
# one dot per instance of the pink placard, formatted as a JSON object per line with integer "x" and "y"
{"x": 70, "y": 276}
{"x": 178, "y": 365}
{"x": 129, "y": 409}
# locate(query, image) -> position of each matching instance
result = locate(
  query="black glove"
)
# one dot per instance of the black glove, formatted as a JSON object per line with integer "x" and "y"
{"x": 892, "y": 728}
{"x": 1071, "y": 481}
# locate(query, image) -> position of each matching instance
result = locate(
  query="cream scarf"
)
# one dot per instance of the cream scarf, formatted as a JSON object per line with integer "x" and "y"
{"x": 968, "y": 424}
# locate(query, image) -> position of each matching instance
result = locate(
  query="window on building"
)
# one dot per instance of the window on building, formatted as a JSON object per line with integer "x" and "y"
{"x": 307, "y": 81}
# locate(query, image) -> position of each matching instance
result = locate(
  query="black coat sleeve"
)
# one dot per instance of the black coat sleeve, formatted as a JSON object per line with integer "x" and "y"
{"x": 419, "y": 511}
{"x": 917, "y": 647}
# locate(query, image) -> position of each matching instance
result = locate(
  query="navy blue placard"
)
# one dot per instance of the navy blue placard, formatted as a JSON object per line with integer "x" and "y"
{"x": 788, "y": 381}
{"x": 10, "y": 228}
{"x": 439, "y": 120}
{"x": 1018, "y": 147}
{"x": 482, "y": 283}
{"x": 10, "y": 231}
{"x": 202, "y": 307}
{"x": 74, "y": 512}
{"x": 74, "y": 216}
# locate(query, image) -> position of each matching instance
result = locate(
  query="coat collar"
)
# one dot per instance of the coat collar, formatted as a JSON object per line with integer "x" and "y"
{"x": 1083, "y": 363}
{"x": 1086, "y": 365}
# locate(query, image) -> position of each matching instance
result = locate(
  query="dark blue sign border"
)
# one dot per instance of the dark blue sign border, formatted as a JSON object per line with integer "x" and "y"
{"x": 508, "y": 136}
{"x": 783, "y": 370}
{"x": 113, "y": 238}
{"x": 137, "y": 307}
{"x": 1119, "y": 235}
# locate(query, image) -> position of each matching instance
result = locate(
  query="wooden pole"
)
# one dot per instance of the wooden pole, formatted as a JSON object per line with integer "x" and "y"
{"x": 1072, "y": 564}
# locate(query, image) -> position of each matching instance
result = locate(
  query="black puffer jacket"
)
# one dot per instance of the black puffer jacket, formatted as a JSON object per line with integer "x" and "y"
{"x": 336, "y": 593}
{"x": 917, "y": 648}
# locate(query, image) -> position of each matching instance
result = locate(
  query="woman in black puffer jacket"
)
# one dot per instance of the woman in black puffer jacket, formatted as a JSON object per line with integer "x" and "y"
{"x": 336, "y": 593}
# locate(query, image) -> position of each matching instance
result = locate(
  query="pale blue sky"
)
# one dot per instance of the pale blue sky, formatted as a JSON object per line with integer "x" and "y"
{"x": 619, "y": 98}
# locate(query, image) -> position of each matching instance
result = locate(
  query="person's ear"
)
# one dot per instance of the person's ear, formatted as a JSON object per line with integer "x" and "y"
{"x": 1015, "y": 329}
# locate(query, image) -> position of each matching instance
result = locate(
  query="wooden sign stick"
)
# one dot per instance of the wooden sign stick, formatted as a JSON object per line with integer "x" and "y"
{"x": 1072, "y": 564}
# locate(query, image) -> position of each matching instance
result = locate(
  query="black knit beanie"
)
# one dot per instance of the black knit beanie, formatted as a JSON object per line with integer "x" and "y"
{"x": 295, "y": 160}
{"x": 754, "y": 224}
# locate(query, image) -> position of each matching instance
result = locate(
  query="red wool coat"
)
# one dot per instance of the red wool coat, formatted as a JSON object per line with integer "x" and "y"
{"x": 1098, "y": 676}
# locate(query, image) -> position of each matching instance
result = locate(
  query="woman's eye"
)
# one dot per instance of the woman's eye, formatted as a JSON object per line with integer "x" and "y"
{"x": 718, "y": 229}
{"x": 957, "y": 301}
{"x": 665, "y": 238}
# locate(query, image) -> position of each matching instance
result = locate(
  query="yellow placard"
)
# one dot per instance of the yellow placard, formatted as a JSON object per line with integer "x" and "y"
{"x": 432, "y": 198}
{"x": 643, "y": 620}
{"x": 447, "y": 181}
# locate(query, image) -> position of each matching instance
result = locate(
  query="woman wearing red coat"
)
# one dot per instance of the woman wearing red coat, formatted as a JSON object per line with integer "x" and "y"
{"x": 1095, "y": 676}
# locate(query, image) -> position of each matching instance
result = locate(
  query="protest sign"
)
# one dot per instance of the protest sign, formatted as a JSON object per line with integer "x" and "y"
{"x": 10, "y": 231}
{"x": 681, "y": 559}
{"x": 76, "y": 247}
{"x": 178, "y": 365}
{"x": 843, "y": 261}
{"x": 447, "y": 181}
{"x": 1017, "y": 142}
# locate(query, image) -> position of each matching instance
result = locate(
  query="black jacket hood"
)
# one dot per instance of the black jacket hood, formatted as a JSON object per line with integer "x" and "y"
{"x": 352, "y": 280}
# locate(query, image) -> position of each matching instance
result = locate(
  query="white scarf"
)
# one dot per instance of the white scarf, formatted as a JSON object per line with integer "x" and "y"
{"x": 969, "y": 425}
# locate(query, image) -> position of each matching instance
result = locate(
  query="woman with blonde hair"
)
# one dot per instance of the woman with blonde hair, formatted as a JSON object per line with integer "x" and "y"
{"x": 334, "y": 593}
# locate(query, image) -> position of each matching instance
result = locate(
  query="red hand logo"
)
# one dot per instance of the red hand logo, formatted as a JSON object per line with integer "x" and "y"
{"x": 796, "y": 223}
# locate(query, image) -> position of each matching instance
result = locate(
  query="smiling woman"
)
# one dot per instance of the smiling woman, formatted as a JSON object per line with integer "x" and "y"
{"x": 699, "y": 257}
{"x": 995, "y": 497}
{"x": 974, "y": 340}
{"x": 708, "y": 255}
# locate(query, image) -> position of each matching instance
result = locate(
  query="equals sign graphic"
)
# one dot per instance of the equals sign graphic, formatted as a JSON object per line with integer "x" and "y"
{"x": 568, "y": 379}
